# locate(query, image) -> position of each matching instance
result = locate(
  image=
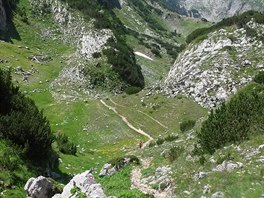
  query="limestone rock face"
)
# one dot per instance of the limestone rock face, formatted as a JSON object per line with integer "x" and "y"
{"x": 2, "y": 16}
{"x": 39, "y": 187}
{"x": 211, "y": 70}
{"x": 214, "y": 10}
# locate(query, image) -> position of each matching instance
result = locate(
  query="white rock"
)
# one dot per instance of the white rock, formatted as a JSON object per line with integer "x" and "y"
{"x": 39, "y": 187}
{"x": 218, "y": 195}
{"x": 86, "y": 184}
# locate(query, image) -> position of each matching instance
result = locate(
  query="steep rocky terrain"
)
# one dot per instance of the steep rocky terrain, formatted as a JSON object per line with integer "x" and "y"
{"x": 211, "y": 69}
{"x": 213, "y": 10}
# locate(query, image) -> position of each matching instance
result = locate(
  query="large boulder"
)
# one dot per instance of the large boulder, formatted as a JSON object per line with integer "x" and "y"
{"x": 39, "y": 187}
{"x": 82, "y": 184}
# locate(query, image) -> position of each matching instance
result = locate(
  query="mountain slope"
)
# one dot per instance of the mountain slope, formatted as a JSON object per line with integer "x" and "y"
{"x": 214, "y": 66}
{"x": 214, "y": 10}
{"x": 65, "y": 52}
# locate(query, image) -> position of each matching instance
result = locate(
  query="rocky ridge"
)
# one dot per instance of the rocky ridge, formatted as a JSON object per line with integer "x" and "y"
{"x": 213, "y": 69}
{"x": 70, "y": 27}
{"x": 214, "y": 10}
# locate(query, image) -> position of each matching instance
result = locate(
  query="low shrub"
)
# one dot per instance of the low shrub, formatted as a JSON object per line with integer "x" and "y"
{"x": 132, "y": 90}
{"x": 259, "y": 78}
{"x": 174, "y": 153}
{"x": 64, "y": 145}
{"x": 156, "y": 52}
{"x": 160, "y": 141}
{"x": 152, "y": 144}
{"x": 171, "y": 138}
{"x": 120, "y": 160}
{"x": 97, "y": 55}
{"x": 187, "y": 125}
{"x": 202, "y": 160}
{"x": 9, "y": 159}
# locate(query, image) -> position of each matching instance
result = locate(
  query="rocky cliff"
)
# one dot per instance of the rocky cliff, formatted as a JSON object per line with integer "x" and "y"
{"x": 212, "y": 69}
{"x": 214, "y": 10}
{"x": 2, "y": 16}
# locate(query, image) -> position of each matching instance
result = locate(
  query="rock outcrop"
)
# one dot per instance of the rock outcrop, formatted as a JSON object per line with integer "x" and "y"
{"x": 82, "y": 184}
{"x": 213, "y": 69}
{"x": 214, "y": 10}
{"x": 2, "y": 16}
{"x": 70, "y": 26}
{"x": 39, "y": 187}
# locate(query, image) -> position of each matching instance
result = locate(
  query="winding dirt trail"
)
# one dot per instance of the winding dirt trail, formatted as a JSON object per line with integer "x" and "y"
{"x": 140, "y": 131}
{"x": 136, "y": 173}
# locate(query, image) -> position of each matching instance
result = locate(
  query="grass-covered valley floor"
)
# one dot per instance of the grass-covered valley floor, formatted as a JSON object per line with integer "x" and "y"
{"x": 168, "y": 162}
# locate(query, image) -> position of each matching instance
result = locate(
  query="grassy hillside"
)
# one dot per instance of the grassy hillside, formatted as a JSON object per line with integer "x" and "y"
{"x": 101, "y": 135}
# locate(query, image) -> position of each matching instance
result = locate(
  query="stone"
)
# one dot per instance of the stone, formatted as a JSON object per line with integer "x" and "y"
{"x": 218, "y": 195}
{"x": 228, "y": 166}
{"x": 187, "y": 192}
{"x": 85, "y": 183}
{"x": 105, "y": 169}
{"x": 19, "y": 69}
{"x": 247, "y": 62}
{"x": 205, "y": 72}
{"x": 200, "y": 175}
{"x": 261, "y": 159}
{"x": 207, "y": 189}
{"x": 39, "y": 187}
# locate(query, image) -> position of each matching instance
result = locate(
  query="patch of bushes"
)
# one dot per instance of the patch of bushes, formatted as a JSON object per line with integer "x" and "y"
{"x": 156, "y": 52}
{"x": 175, "y": 152}
{"x": 102, "y": 77}
{"x": 221, "y": 158}
{"x": 160, "y": 141}
{"x": 64, "y": 145}
{"x": 152, "y": 144}
{"x": 187, "y": 125}
{"x": 259, "y": 78}
{"x": 202, "y": 160}
{"x": 120, "y": 160}
{"x": 171, "y": 138}
{"x": 234, "y": 121}
{"x": 97, "y": 55}
{"x": 132, "y": 90}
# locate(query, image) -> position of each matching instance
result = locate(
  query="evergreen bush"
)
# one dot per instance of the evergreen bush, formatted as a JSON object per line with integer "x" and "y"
{"x": 64, "y": 145}
{"x": 187, "y": 125}
{"x": 235, "y": 121}
{"x": 21, "y": 122}
{"x": 259, "y": 78}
